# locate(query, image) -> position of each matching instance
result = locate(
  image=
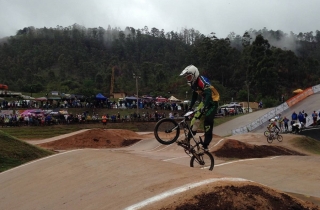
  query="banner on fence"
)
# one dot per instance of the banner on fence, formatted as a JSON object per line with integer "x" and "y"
{"x": 316, "y": 88}
{"x": 290, "y": 102}
{"x": 294, "y": 100}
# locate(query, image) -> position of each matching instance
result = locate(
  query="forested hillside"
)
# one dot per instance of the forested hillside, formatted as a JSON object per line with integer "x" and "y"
{"x": 78, "y": 60}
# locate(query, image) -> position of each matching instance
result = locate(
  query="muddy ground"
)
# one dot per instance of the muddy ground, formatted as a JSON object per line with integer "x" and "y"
{"x": 224, "y": 196}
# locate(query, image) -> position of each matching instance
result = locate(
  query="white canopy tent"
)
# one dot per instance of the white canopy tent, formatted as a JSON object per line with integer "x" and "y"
{"x": 27, "y": 97}
{"x": 173, "y": 99}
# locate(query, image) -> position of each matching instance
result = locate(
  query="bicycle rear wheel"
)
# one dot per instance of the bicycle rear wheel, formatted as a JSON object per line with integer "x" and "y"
{"x": 167, "y": 131}
{"x": 205, "y": 161}
{"x": 279, "y": 138}
{"x": 269, "y": 139}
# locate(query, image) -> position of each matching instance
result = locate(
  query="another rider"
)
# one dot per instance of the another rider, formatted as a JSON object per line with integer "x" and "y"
{"x": 272, "y": 127}
{"x": 208, "y": 106}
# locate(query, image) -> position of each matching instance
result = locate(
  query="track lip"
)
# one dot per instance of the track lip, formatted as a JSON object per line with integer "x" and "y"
{"x": 181, "y": 189}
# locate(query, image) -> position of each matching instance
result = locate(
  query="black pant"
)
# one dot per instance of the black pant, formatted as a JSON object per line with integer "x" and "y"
{"x": 208, "y": 124}
{"x": 208, "y": 127}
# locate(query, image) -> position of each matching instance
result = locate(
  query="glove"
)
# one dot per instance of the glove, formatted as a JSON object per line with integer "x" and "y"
{"x": 204, "y": 110}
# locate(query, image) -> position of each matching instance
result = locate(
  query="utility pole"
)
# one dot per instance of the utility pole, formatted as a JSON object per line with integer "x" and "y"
{"x": 247, "y": 82}
{"x": 137, "y": 77}
{"x": 248, "y": 85}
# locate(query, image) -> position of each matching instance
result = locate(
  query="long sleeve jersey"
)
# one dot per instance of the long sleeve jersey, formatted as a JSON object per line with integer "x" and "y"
{"x": 203, "y": 88}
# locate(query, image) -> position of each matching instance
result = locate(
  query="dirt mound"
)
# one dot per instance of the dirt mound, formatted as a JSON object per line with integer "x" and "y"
{"x": 237, "y": 149}
{"x": 224, "y": 196}
{"x": 95, "y": 138}
{"x": 240, "y": 196}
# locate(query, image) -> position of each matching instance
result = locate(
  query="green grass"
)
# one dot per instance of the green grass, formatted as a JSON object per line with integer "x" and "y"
{"x": 14, "y": 152}
{"x": 43, "y": 132}
{"x": 308, "y": 144}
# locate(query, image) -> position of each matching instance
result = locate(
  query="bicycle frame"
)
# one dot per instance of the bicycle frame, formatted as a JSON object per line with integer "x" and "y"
{"x": 172, "y": 128}
{"x": 274, "y": 134}
{"x": 186, "y": 129}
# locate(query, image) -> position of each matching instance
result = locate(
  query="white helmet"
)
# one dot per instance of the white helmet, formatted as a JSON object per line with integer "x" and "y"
{"x": 190, "y": 70}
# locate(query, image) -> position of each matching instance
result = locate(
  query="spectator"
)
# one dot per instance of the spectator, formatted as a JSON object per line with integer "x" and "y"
{"x": 294, "y": 117}
{"x": 118, "y": 116}
{"x": 301, "y": 117}
{"x": 315, "y": 118}
{"x": 156, "y": 116}
{"x": 226, "y": 113}
{"x": 104, "y": 120}
{"x": 286, "y": 120}
{"x": 280, "y": 122}
{"x": 305, "y": 117}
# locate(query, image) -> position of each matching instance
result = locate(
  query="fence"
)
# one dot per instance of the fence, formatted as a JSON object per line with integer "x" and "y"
{"x": 282, "y": 107}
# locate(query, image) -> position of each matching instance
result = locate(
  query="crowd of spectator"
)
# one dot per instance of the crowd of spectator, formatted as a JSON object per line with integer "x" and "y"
{"x": 298, "y": 120}
{"x": 109, "y": 104}
{"x": 85, "y": 117}
{"x": 302, "y": 115}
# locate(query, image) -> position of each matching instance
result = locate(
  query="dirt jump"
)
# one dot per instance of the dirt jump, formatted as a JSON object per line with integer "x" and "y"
{"x": 122, "y": 169}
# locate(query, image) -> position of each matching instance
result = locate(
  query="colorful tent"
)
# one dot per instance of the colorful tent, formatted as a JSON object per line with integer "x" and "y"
{"x": 101, "y": 97}
{"x": 173, "y": 99}
{"x": 41, "y": 99}
{"x": 32, "y": 111}
{"x": 3, "y": 87}
{"x": 27, "y": 97}
{"x": 298, "y": 91}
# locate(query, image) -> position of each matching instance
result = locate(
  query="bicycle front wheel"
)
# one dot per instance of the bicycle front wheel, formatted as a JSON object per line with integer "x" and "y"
{"x": 166, "y": 131}
{"x": 205, "y": 161}
{"x": 270, "y": 139}
{"x": 279, "y": 138}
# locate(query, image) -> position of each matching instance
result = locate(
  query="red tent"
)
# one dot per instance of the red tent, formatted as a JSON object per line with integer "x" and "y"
{"x": 41, "y": 99}
{"x": 3, "y": 87}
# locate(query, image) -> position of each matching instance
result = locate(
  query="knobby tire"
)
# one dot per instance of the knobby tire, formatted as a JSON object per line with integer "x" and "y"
{"x": 161, "y": 131}
{"x": 208, "y": 161}
{"x": 279, "y": 138}
{"x": 269, "y": 139}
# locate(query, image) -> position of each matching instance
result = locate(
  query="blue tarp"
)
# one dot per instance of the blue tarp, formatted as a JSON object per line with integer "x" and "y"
{"x": 131, "y": 98}
{"x": 100, "y": 97}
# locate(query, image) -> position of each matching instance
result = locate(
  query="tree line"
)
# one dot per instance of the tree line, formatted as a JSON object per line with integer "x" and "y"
{"x": 263, "y": 64}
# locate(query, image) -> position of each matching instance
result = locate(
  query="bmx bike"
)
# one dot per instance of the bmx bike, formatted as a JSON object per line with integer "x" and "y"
{"x": 272, "y": 130}
{"x": 274, "y": 135}
{"x": 167, "y": 131}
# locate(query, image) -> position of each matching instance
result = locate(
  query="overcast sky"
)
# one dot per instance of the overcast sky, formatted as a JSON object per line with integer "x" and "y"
{"x": 206, "y": 16}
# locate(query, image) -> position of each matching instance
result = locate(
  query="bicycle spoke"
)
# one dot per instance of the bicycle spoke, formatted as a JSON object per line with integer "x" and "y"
{"x": 166, "y": 131}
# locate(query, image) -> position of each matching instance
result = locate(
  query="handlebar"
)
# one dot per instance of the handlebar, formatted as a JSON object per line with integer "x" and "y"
{"x": 193, "y": 111}
{"x": 189, "y": 113}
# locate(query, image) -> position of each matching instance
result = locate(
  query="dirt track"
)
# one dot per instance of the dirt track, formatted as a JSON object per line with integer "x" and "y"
{"x": 143, "y": 173}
